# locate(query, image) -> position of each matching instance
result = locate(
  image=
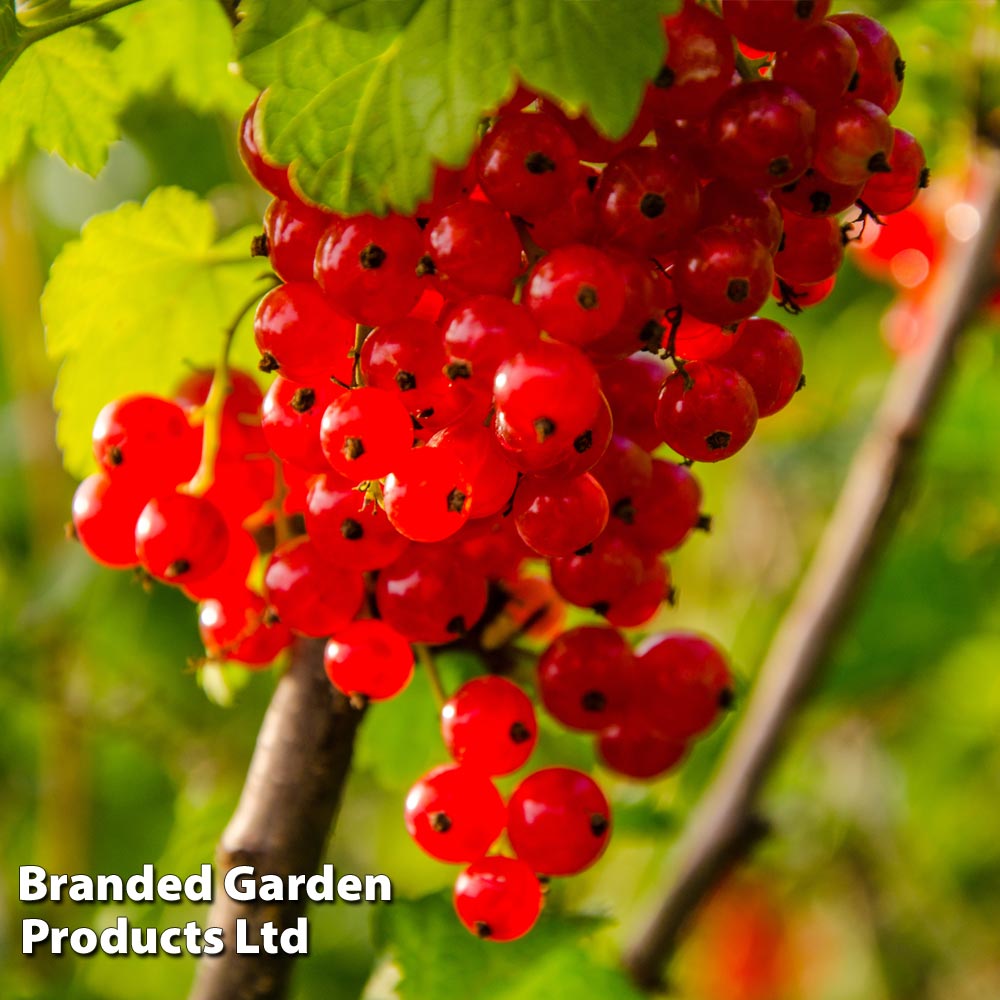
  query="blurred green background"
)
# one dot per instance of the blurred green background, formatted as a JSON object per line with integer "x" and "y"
{"x": 882, "y": 878}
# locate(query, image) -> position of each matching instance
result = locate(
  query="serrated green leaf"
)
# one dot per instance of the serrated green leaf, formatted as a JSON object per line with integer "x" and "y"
{"x": 439, "y": 958}
{"x": 143, "y": 294}
{"x": 186, "y": 43}
{"x": 63, "y": 96}
{"x": 364, "y": 99}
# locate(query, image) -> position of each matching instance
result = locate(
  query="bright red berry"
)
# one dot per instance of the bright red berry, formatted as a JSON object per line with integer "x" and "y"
{"x": 853, "y": 142}
{"x": 726, "y": 204}
{"x": 237, "y": 630}
{"x": 491, "y": 476}
{"x": 365, "y": 432}
{"x": 293, "y": 230}
{"x": 290, "y": 415}
{"x": 427, "y": 495}
{"x": 880, "y": 68}
{"x": 772, "y": 25}
{"x": 812, "y": 250}
{"x": 769, "y": 357}
{"x": 891, "y": 192}
{"x": 368, "y": 658}
{"x": 814, "y": 194}
{"x": 498, "y": 898}
{"x": 180, "y": 538}
{"x": 630, "y": 749}
{"x": 820, "y": 65}
{"x": 271, "y": 176}
{"x": 555, "y": 517}
{"x": 104, "y": 516}
{"x": 632, "y": 387}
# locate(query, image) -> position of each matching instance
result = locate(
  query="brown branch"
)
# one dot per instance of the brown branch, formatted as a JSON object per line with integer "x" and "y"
{"x": 867, "y": 510}
{"x": 289, "y": 800}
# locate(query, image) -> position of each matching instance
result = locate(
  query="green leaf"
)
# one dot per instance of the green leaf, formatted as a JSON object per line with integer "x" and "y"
{"x": 439, "y": 958}
{"x": 366, "y": 98}
{"x": 10, "y": 35}
{"x": 186, "y": 43}
{"x": 63, "y": 96}
{"x": 145, "y": 293}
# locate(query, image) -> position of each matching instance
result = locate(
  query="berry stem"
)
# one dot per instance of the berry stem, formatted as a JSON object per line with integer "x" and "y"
{"x": 361, "y": 334}
{"x": 426, "y": 660}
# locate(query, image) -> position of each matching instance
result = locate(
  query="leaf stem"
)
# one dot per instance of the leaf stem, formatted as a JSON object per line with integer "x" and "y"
{"x": 425, "y": 659}
{"x": 77, "y": 16}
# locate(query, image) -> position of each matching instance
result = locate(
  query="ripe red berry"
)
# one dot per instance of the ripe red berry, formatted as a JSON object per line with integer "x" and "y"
{"x": 814, "y": 194}
{"x": 558, "y": 821}
{"x": 820, "y": 65}
{"x": 887, "y": 193}
{"x": 706, "y": 413}
{"x": 588, "y": 448}
{"x": 591, "y": 143}
{"x": 427, "y": 495}
{"x": 571, "y": 221}
{"x": 104, "y": 516}
{"x": 180, "y": 538}
{"x": 585, "y": 677}
{"x": 803, "y": 296}
{"x": 454, "y": 813}
{"x": 659, "y": 516}
{"x": 624, "y": 471}
{"x": 293, "y": 230}
{"x": 699, "y": 64}
{"x": 489, "y": 724}
{"x": 812, "y": 250}
{"x": 491, "y": 476}
{"x": 271, "y": 176}
{"x": 632, "y": 387}
{"x": 880, "y": 68}
{"x": 237, "y": 630}
{"x": 696, "y": 340}
{"x": 647, "y": 200}
{"x": 300, "y": 336}
{"x": 527, "y": 163}
{"x": 723, "y": 275}
{"x": 474, "y": 249}
{"x": 290, "y": 415}
{"x": 364, "y": 433}
{"x": 146, "y": 442}
{"x": 555, "y": 517}
{"x": 682, "y": 684}
{"x": 598, "y": 576}
{"x": 576, "y": 294}
{"x": 725, "y": 204}
{"x": 368, "y": 658}
{"x": 770, "y": 359}
{"x": 498, "y": 898}
{"x": 229, "y": 582}
{"x": 630, "y": 749}
{"x": 772, "y": 25}
{"x": 853, "y": 142}
{"x": 636, "y": 605}
{"x": 763, "y": 134}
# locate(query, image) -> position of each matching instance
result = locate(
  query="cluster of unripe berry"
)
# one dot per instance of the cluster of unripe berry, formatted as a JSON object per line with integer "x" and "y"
{"x": 484, "y": 383}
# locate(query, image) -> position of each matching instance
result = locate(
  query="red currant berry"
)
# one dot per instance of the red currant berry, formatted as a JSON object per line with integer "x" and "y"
{"x": 696, "y": 340}
{"x": 271, "y": 176}
{"x": 491, "y": 477}
{"x": 229, "y": 582}
{"x": 104, "y": 516}
{"x": 571, "y": 221}
{"x": 291, "y": 415}
{"x": 180, "y": 538}
{"x": 367, "y": 267}
{"x": 812, "y": 250}
{"x": 853, "y": 142}
{"x": 723, "y": 275}
{"x": 725, "y": 204}
{"x": 596, "y": 577}
{"x": 763, "y": 134}
{"x": 880, "y": 68}
{"x": 592, "y": 144}
{"x": 237, "y": 630}
{"x": 527, "y": 163}
{"x": 427, "y": 495}
{"x": 814, "y": 194}
{"x": 632, "y": 387}
{"x": 624, "y": 471}
{"x": 630, "y": 749}
{"x": 555, "y": 517}
{"x": 364, "y": 433}
{"x": 293, "y": 231}
{"x": 772, "y": 25}
{"x": 498, "y": 898}
{"x": 706, "y": 413}
{"x": 454, "y": 813}
{"x": 585, "y": 677}
{"x": 770, "y": 359}
{"x": 489, "y": 724}
{"x": 888, "y": 193}
{"x": 243, "y": 396}
{"x": 588, "y": 448}
{"x": 820, "y": 65}
{"x": 558, "y": 821}
{"x": 660, "y": 517}
{"x": 368, "y": 658}
{"x": 448, "y": 186}
{"x": 796, "y": 299}
{"x": 633, "y": 607}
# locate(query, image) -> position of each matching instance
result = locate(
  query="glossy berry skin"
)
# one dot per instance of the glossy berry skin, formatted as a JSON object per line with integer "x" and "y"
{"x": 571, "y": 221}
{"x": 427, "y": 495}
{"x": 300, "y": 336}
{"x": 647, "y": 200}
{"x": 489, "y": 724}
{"x": 364, "y": 433}
{"x": 575, "y": 294}
{"x": 146, "y": 443}
{"x": 293, "y": 231}
{"x": 290, "y": 416}
{"x": 367, "y": 267}
{"x": 723, "y": 275}
{"x": 630, "y": 749}
{"x": 549, "y": 393}
{"x": 309, "y": 595}
{"x": 346, "y": 531}
{"x": 558, "y": 821}
{"x": 853, "y": 142}
{"x": 236, "y": 630}
{"x": 888, "y": 193}
{"x": 632, "y": 387}
{"x": 725, "y": 204}
{"x": 805, "y": 295}
{"x": 492, "y": 477}
{"x": 180, "y": 538}
{"x": 498, "y": 898}
{"x": 660, "y": 517}
{"x": 683, "y": 683}
{"x": 425, "y": 597}
{"x": 763, "y": 134}
{"x": 596, "y": 577}
{"x": 229, "y": 581}
{"x": 104, "y": 516}
{"x": 624, "y": 471}
{"x": 588, "y": 447}
{"x": 699, "y": 64}
{"x": 454, "y": 813}
{"x": 474, "y": 249}
{"x": 772, "y": 25}
{"x": 710, "y": 418}
{"x": 769, "y": 357}
{"x": 815, "y": 195}
{"x": 555, "y": 517}
{"x": 812, "y": 251}
{"x": 272, "y": 177}
{"x": 637, "y": 605}
{"x": 527, "y": 164}
{"x": 820, "y": 65}
{"x": 585, "y": 677}
{"x": 697, "y": 340}
{"x": 370, "y": 659}
{"x": 880, "y": 68}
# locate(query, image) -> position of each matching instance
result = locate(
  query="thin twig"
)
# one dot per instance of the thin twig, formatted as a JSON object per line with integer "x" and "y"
{"x": 865, "y": 514}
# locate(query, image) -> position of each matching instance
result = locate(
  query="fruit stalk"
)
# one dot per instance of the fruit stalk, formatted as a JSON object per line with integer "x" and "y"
{"x": 726, "y": 824}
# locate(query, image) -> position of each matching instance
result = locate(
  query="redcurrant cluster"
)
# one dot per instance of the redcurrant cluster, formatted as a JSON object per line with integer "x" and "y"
{"x": 484, "y": 384}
